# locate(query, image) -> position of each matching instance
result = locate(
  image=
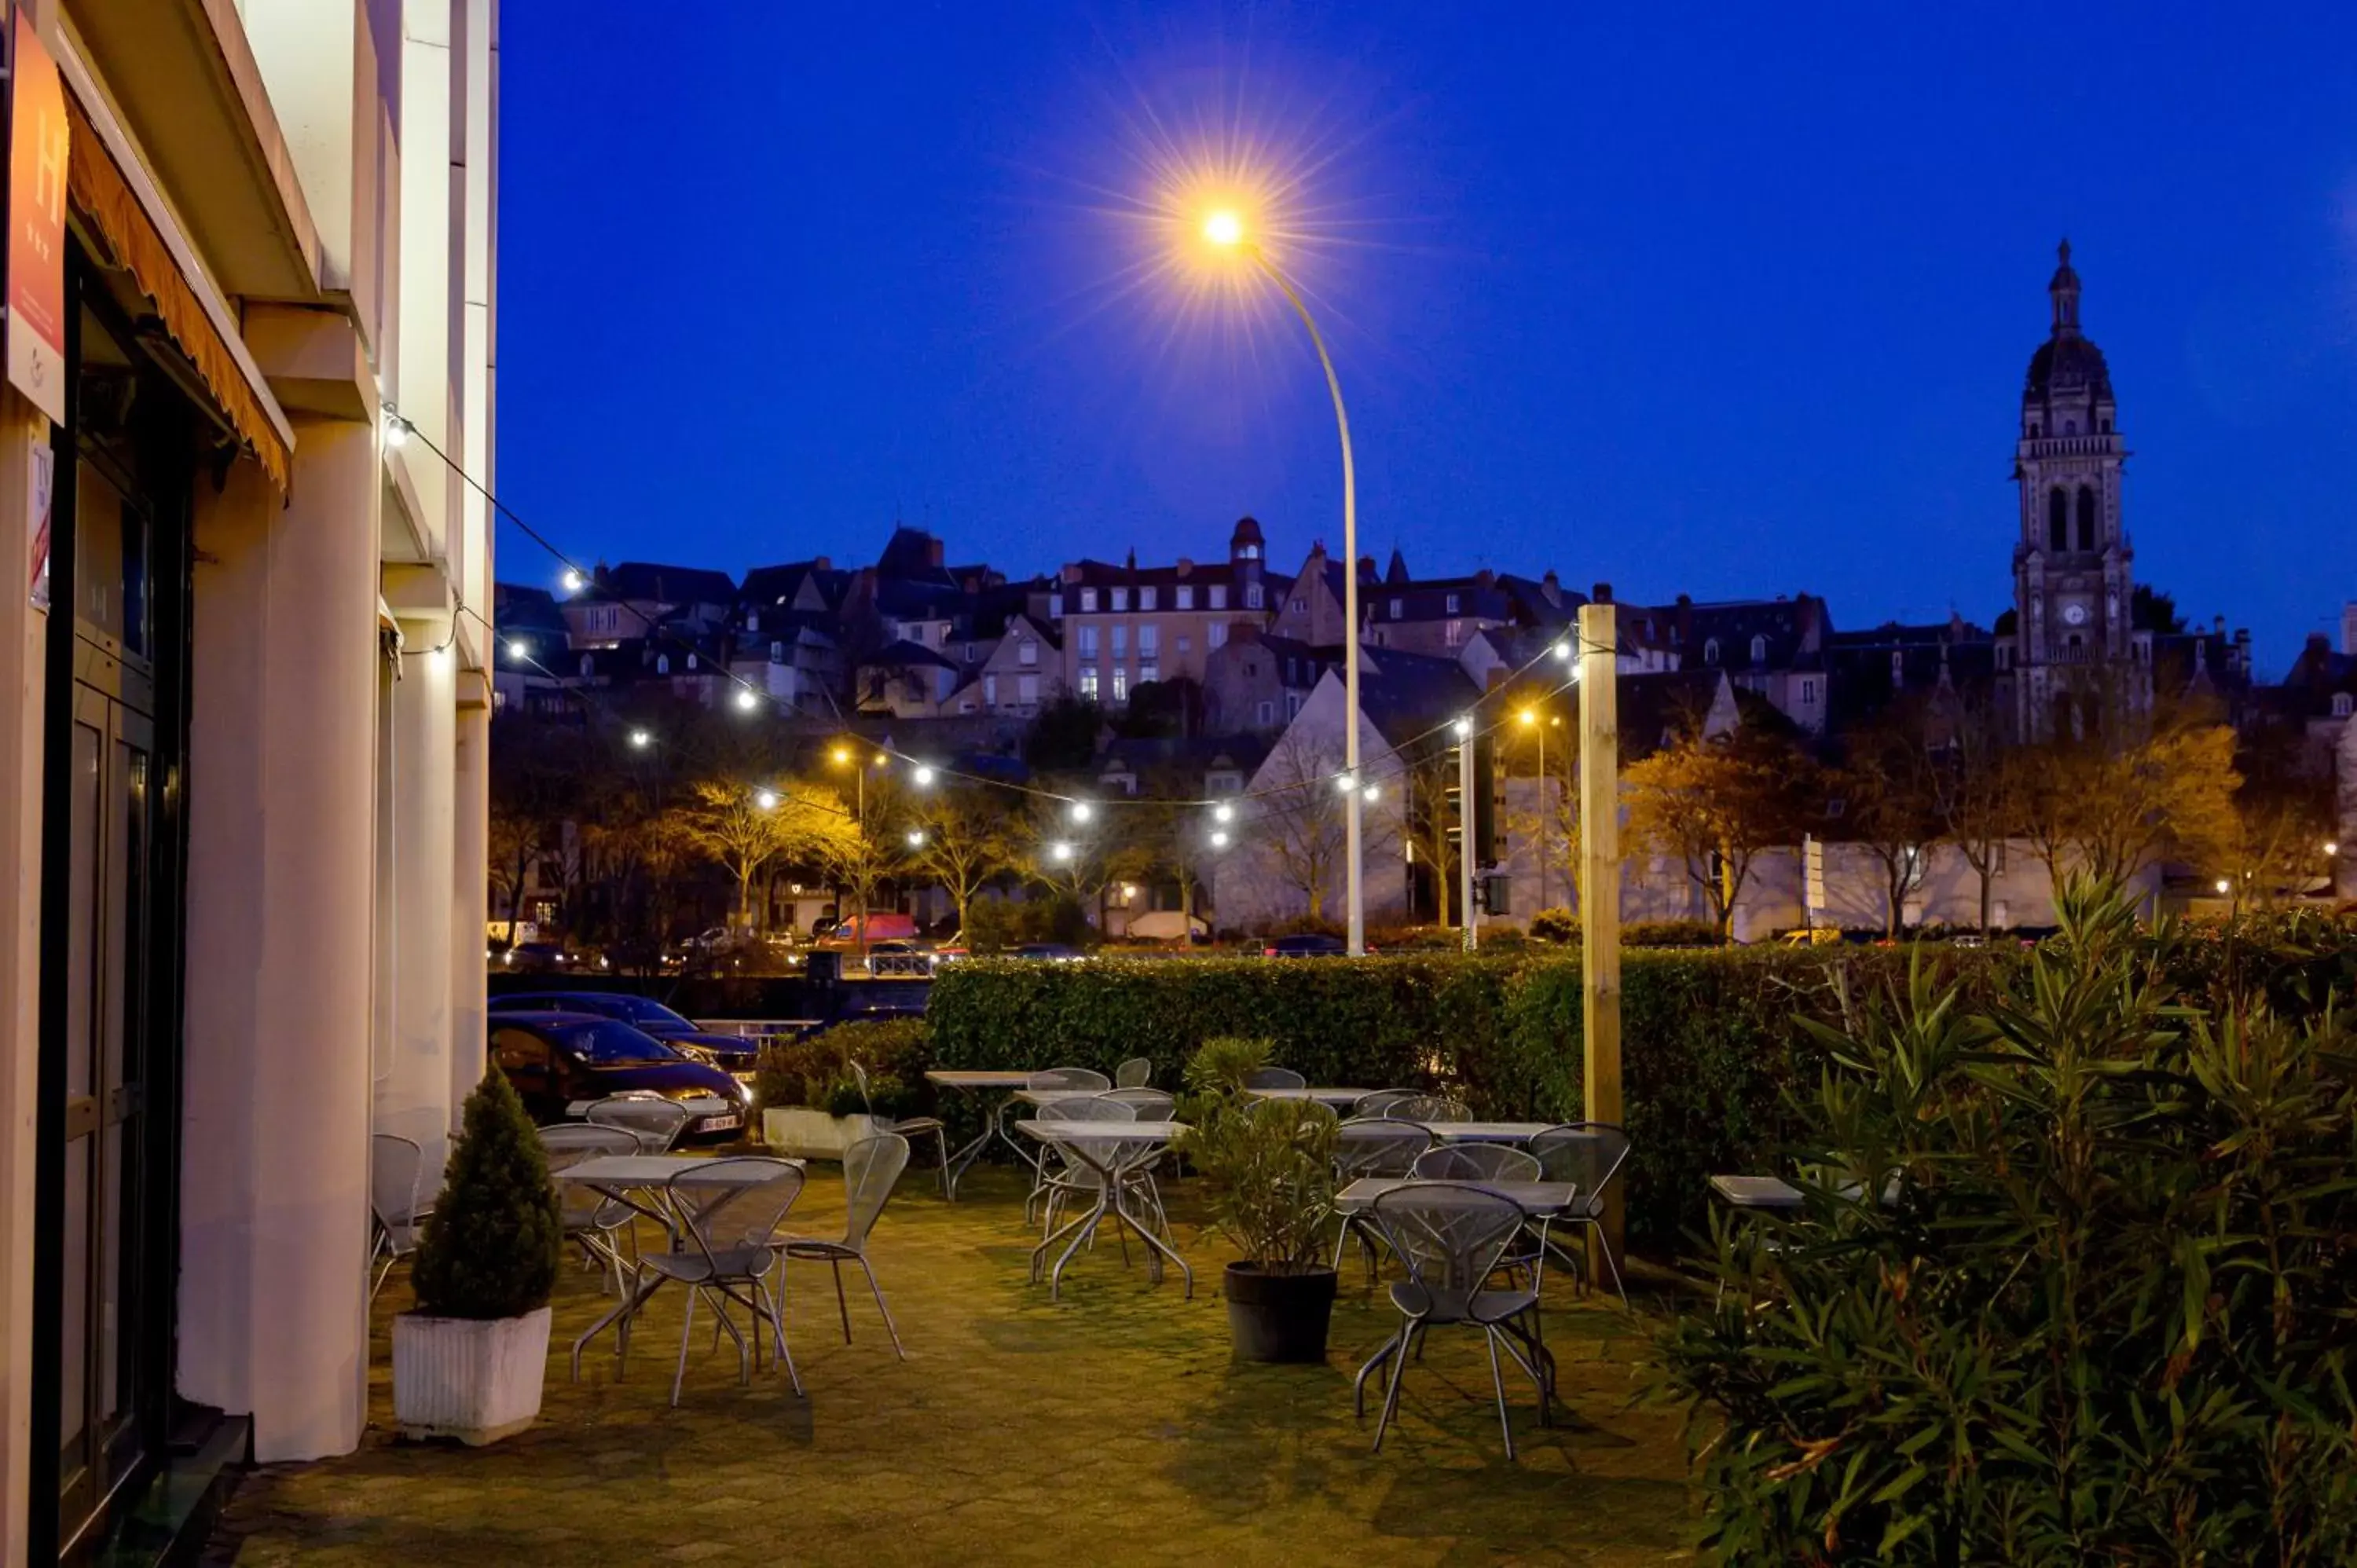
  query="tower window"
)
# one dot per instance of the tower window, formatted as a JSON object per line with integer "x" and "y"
{"x": 2058, "y": 519}
{"x": 2086, "y": 517}
{"x": 1759, "y": 651}
{"x": 2105, "y": 424}
{"x": 1710, "y": 651}
{"x": 2036, "y": 429}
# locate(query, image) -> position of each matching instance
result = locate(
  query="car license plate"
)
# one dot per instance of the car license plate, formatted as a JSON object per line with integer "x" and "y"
{"x": 720, "y": 1124}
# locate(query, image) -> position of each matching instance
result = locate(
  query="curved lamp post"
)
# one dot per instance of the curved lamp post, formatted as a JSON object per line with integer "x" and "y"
{"x": 1225, "y": 230}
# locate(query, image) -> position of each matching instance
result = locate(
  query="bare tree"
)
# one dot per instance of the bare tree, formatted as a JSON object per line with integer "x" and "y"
{"x": 1890, "y": 804}
{"x": 743, "y": 827}
{"x": 1300, "y": 820}
{"x": 1977, "y": 787}
{"x": 965, "y": 843}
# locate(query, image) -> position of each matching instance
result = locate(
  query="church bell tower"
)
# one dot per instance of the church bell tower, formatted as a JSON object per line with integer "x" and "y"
{"x": 2077, "y": 662}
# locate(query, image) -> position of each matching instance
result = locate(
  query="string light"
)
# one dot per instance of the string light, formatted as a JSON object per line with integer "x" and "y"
{"x": 574, "y": 580}
{"x": 1220, "y": 840}
{"x": 767, "y": 799}
{"x": 1223, "y": 813}
{"x": 518, "y": 649}
{"x": 923, "y": 775}
{"x": 1060, "y": 852}
{"x": 916, "y": 838}
{"x": 1464, "y": 728}
{"x": 642, "y": 739}
{"x": 746, "y": 700}
{"x": 1082, "y": 810}
{"x": 1372, "y": 791}
{"x": 396, "y": 429}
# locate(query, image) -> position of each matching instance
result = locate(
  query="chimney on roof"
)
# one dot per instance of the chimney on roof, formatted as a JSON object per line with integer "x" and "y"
{"x": 1367, "y": 569}
{"x": 1551, "y": 586}
{"x": 1186, "y": 566}
{"x": 1132, "y": 561}
{"x": 1685, "y": 601}
{"x": 1486, "y": 577}
{"x": 933, "y": 557}
{"x": 822, "y": 564}
{"x": 1603, "y": 594}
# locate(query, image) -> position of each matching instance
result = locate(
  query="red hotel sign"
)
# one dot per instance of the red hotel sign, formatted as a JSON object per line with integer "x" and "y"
{"x": 37, "y": 225}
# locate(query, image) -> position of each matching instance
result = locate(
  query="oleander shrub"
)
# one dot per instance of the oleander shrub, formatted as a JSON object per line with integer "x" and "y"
{"x": 2075, "y": 1279}
{"x": 491, "y": 1247}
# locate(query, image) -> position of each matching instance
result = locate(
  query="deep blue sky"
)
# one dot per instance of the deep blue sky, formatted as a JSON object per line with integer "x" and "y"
{"x": 1722, "y": 299}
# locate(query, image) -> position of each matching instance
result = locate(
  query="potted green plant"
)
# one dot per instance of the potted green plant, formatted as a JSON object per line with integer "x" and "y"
{"x": 468, "y": 1362}
{"x": 1268, "y": 1170}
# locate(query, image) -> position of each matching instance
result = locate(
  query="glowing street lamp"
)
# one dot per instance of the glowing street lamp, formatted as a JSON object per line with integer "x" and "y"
{"x": 642, "y": 739}
{"x": 574, "y": 582}
{"x": 1225, "y": 231}
{"x": 916, "y": 838}
{"x": 2224, "y": 886}
{"x": 765, "y": 799}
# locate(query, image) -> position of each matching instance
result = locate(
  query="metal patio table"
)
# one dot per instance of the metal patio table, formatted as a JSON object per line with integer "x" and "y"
{"x": 1486, "y": 1132}
{"x": 1114, "y": 1150}
{"x": 618, "y": 1176}
{"x": 1341, "y": 1097}
{"x": 980, "y": 1083}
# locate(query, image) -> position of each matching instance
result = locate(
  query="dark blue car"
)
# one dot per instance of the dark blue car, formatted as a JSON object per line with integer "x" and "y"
{"x": 729, "y": 1053}
{"x": 559, "y": 1063}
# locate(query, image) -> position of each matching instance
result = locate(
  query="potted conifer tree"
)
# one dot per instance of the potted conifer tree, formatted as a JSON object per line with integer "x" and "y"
{"x": 1268, "y": 1168}
{"x": 469, "y": 1361}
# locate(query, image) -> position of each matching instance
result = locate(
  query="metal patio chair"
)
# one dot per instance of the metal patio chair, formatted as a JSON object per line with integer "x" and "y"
{"x": 1475, "y": 1163}
{"x": 1453, "y": 1237}
{"x": 592, "y": 1220}
{"x": 1275, "y": 1078}
{"x": 1070, "y": 1078}
{"x": 1371, "y": 1147}
{"x": 1137, "y": 1072}
{"x": 655, "y": 1122}
{"x": 732, "y": 1243}
{"x": 870, "y": 1168}
{"x": 1589, "y": 1153}
{"x": 396, "y": 1171}
{"x": 1377, "y": 1102}
{"x": 908, "y": 1127}
{"x": 1428, "y": 1108}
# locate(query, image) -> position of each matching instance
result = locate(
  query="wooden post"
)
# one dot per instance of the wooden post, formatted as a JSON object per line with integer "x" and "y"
{"x": 1599, "y": 888}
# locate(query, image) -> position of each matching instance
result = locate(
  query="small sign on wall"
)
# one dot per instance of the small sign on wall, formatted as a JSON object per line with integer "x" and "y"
{"x": 36, "y": 224}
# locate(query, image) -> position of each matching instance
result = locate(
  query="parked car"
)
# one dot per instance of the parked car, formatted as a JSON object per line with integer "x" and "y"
{"x": 1307, "y": 945}
{"x": 1047, "y": 952}
{"x": 730, "y": 1053}
{"x": 869, "y": 1001}
{"x": 560, "y": 1063}
{"x": 537, "y": 957}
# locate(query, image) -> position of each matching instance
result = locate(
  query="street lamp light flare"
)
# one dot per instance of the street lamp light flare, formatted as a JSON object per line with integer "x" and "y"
{"x": 767, "y": 799}
{"x": 916, "y": 839}
{"x": 1224, "y": 227}
{"x": 642, "y": 739}
{"x": 1464, "y": 728}
{"x": 2331, "y": 848}
{"x": 843, "y": 754}
{"x": 2224, "y": 886}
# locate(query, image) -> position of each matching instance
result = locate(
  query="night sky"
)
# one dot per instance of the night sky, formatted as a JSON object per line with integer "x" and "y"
{"x": 1726, "y": 299}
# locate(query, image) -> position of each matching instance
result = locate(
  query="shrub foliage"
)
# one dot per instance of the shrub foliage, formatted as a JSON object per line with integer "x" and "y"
{"x": 2076, "y": 1279}
{"x": 492, "y": 1246}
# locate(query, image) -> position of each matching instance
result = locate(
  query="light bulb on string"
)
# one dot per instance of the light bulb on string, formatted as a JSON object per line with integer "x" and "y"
{"x": 1060, "y": 852}
{"x": 765, "y": 799}
{"x": 1220, "y": 839}
{"x": 574, "y": 582}
{"x": 916, "y": 838}
{"x": 642, "y": 739}
{"x": 519, "y": 649}
{"x": 1082, "y": 810}
{"x": 746, "y": 700}
{"x": 1464, "y": 728}
{"x": 1223, "y": 813}
{"x": 923, "y": 775}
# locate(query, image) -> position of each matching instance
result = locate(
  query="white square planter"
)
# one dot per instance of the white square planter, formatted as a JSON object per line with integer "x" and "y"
{"x": 475, "y": 1379}
{"x": 798, "y": 1132}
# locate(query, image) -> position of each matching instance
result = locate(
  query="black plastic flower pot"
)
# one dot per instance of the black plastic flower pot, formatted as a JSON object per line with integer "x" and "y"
{"x": 1279, "y": 1316}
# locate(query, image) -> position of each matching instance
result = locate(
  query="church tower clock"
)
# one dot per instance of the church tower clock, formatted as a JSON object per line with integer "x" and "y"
{"x": 2078, "y": 664}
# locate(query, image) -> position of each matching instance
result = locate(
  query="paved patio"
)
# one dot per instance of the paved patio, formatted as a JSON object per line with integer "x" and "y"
{"x": 1108, "y": 1427}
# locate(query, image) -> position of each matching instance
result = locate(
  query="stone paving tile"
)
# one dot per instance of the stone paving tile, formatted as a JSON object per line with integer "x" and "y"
{"x": 1109, "y": 1427}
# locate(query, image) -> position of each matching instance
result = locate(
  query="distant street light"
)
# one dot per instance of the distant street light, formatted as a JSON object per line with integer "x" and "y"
{"x": 2224, "y": 886}
{"x": 767, "y": 799}
{"x": 642, "y": 739}
{"x": 916, "y": 838}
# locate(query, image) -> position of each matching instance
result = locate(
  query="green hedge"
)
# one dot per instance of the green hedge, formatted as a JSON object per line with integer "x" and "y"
{"x": 1708, "y": 1042}
{"x": 1710, "y": 1047}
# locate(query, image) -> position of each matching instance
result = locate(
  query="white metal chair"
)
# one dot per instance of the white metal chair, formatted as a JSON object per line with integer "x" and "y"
{"x": 1073, "y": 1177}
{"x": 732, "y": 1230}
{"x": 396, "y": 1170}
{"x": 1135, "y": 1073}
{"x": 1275, "y": 1078}
{"x": 656, "y": 1122}
{"x": 1589, "y": 1153}
{"x": 870, "y": 1168}
{"x": 908, "y": 1127}
{"x": 1070, "y": 1078}
{"x": 1453, "y": 1237}
{"x": 592, "y": 1220}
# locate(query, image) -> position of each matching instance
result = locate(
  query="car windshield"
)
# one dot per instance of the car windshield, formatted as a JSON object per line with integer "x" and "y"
{"x": 608, "y": 1042}
{"x": 642, "y": 1011}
